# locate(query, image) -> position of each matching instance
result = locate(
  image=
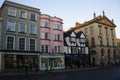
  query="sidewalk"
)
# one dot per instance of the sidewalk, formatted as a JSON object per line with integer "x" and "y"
{"x": 40, "y": 72}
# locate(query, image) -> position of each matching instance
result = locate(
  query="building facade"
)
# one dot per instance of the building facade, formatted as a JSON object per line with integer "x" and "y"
{"x": 19, "y": 35}
{"x": 51, "y": 42}
{"x": 75, "y": 49}
{"x": 101, "y": 37}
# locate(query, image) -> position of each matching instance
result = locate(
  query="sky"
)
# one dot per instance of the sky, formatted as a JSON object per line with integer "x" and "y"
{"x": 76, "y": 10}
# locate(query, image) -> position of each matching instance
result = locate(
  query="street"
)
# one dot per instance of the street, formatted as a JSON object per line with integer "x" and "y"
{"x": 90, "y": 74}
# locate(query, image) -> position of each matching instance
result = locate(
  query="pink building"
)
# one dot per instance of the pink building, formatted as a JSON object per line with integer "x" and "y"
{"x": 51, "y": 42}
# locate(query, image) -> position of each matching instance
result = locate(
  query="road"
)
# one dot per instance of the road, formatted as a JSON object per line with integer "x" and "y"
{"x": 91, "y": 74}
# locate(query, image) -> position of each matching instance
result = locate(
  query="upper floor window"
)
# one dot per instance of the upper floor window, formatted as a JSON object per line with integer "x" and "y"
{"x": 72, "y": 39}
{"x": 92, "y": 42}
{"x": 107, "y": 41}
{"x": 10, "y": 40}
{"x": 33, "y": 16}
{"x": 113, "y": 42}
{"x": 86, "y": 31}
{"x": 101, "y": 43}
{"x": 99, "y": 29}
{"x": 82, "y": 39}
{"x": 11, "y": 11}
{"x": 57, "y": 37}
{"x": 23, "y": 14}
{"x": 58, "y": 49}
{"x": 112, "y": 33}
{"x": 91, "y": 30}
{"x": 32, "y": 29}
{"x": 45, "y": 48}
{"x": 11, "y": 25}
{"x": 45, "y": 35}
{"x": 106, "y": 32}
{"x": 58, "y": 27}
{"x": 22, "y": 43}
{"x": 45, "y": 24}
{"x": 22, "y": 27}
{"x": 32, "y": 44}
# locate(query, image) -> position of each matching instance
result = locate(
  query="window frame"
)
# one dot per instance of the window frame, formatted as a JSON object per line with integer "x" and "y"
{"x": 30, "y": 44}
{"x": 12, "y": 11}
{"x": 33, "y": 16}
{"x": 9, "y": 26}
{"x": 19, "y": 43}
{"x": 44, "y": 34}
{"x": 23, "y": 15}
{"x": 22, "y": 26}
{"x": 12, "y": 42}
{"x": 30, "y": 30}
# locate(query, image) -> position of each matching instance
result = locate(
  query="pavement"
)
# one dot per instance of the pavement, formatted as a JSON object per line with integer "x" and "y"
{"x": 22, "y": 72}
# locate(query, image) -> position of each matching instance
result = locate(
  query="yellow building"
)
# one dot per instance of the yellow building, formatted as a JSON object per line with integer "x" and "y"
{"x": 101, "y": 37}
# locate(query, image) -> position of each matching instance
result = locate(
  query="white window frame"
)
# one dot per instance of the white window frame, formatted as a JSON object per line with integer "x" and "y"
{"x": 12, "y": 11}
{"x": 35, "y": 44}
{"x": 31, "y": 32}
{"x": 31, "y": 16}
{"x": 9, "y": 25}
{"x": 13, "y": 41}
{"x": 44, "y": 50}
{"x": 45, "y": 24}
{"x": 56, "y": 37}
{"x": 58, "y": 27}
{"x": 57, "y": 49}
{"x": 23, "y": 15}
{"x": 20, "y": 27}
{"x": 19, "y": 40}
{"x": 42, "y": 35}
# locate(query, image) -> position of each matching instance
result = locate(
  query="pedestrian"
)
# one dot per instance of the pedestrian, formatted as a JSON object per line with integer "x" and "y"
{"x": 36, "y": 67}
{"x": 26, "y": 69}
{"x": 49, "y": 68}
{"x": 30, "y": 66}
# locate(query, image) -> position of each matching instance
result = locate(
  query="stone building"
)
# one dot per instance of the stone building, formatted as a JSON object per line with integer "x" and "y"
{"x": 101, "y": 37}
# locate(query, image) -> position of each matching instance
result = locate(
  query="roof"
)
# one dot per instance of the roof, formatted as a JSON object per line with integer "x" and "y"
{"x": 19, "y": 5}
{"x": 95, "y": 20}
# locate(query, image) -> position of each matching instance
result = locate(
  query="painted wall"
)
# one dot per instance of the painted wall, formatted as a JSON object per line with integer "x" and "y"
{"x": 52, "y": 21}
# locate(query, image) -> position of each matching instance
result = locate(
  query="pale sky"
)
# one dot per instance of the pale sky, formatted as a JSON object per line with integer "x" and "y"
{"x": 76, "y": 10}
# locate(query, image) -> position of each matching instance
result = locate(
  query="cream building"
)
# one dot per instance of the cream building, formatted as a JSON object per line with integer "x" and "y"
{"x": 101, "y": 38}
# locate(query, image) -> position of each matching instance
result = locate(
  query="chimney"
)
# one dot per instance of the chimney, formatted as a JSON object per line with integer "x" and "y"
{"x": 94, "y": 15}
{"x": 103, "y": 13}
{"x": 112, "y": 20}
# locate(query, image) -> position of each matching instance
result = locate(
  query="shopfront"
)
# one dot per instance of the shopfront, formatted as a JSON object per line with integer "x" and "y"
{"x": 54, "y": 61}
{"x": 18, "y": 60}
{"x": 72, "y": 61}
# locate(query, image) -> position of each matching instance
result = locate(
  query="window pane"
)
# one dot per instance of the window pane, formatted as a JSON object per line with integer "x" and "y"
{"x": 22, "y": 27}
{"x": 23, "y": 14}
{"x": 32, "y": 29}
{"x": 12, "y": 11}
{"x": 10, "y": 41}
{"x": 21, "y": 43}
{"x": 32, "y": 44}
{"x": 11, "y": 25}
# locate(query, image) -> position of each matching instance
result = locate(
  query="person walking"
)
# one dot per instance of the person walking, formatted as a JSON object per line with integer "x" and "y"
{"x": 30, "y": 66}
{"x": 36, "y": 67}
{"x": 26, "y": 69}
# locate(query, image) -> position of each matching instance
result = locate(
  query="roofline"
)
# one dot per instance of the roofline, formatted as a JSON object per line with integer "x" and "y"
{"x": 6, "y": 1}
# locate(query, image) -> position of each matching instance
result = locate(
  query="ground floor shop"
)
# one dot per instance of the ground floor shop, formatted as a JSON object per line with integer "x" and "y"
{"x": 17, "y": 60}
{"x": 76, "y": 60}
{"x": 54, "y": 61}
